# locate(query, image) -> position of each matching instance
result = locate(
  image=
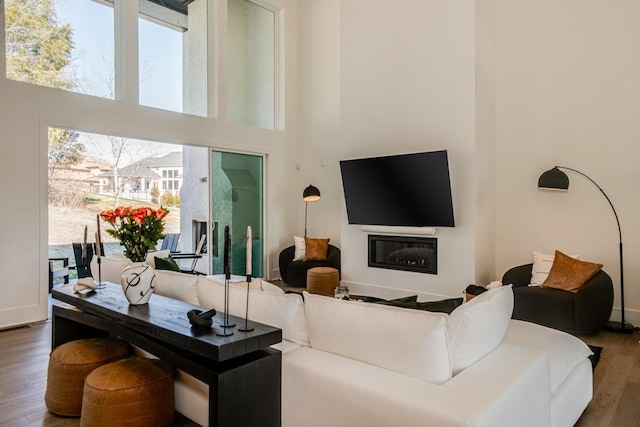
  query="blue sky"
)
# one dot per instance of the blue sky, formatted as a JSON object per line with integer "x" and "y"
{"x": 160, "y": 53}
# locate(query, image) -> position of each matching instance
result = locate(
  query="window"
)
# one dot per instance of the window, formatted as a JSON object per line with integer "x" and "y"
{"x": 251, "y": 64}
{"x": 64, "y": 44}
{"x": 70, "y": 45}
{"x": 172, "y": 49}
{"x": 160, "y": 56}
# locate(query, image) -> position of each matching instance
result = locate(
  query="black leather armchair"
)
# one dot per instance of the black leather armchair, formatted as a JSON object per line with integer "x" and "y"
{"x": 294, "y": 273}
{"x": 581, "y": 313}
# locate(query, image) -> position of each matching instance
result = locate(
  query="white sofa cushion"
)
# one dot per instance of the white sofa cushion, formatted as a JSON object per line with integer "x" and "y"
{"x": 478, "y": 326}
{"x": 411, "y": 342}
{"x": 284, "y": 311}
{"x": 238, "y": 281}
{"x": 176, "y": 285}
{"x": 565, "y": 351}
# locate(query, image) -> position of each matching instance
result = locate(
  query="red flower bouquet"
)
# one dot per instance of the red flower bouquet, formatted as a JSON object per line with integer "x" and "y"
{"x": 137, "y": 229}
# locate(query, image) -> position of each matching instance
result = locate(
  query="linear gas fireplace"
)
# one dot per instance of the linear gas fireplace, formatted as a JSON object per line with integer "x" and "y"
{"x": 404, "y": 253}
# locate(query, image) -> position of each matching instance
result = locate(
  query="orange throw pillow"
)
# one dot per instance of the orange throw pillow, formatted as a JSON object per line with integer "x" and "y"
{"x": 569, "y": 274}
{"x": 316, "y": 249}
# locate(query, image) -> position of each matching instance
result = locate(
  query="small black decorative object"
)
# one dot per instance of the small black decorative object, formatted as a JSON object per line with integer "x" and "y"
{"x": 227, "y": 276}
{"x": 201, "y": 319}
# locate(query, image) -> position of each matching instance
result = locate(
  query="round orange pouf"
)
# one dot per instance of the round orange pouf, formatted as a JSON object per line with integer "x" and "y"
{"x": 132, "y": 392}
{"x": 69, "y": 365}
{"x": 322, "y": 280}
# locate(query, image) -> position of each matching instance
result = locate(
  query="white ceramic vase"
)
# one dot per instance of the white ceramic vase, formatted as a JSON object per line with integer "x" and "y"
{"x": 138, "y": 282}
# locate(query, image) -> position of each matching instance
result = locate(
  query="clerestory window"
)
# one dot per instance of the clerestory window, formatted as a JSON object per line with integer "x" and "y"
{"x": 76, "y": 45}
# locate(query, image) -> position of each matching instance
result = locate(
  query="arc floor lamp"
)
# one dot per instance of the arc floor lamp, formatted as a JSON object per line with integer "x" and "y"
{"x": 555, "y": 179}
{"x": 310, "y": 194}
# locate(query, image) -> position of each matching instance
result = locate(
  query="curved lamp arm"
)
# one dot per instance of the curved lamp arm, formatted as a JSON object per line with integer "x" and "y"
{"x": 603, "y": 193}
{"x": 558, "y": 180}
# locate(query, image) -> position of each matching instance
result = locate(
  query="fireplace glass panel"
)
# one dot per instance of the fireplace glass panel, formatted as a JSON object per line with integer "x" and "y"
{"x": 418, "y": 254}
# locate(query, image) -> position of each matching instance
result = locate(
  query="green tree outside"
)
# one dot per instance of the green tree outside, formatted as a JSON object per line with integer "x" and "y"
{"x": 38, "y": 48}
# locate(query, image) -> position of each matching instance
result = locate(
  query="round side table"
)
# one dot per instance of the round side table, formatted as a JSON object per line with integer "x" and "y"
{"x": 322, "y": 280}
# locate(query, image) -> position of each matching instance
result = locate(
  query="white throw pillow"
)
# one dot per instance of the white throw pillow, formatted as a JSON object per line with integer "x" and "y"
{"x": 284, "y": 311}
{"x": 541, "y": 266}
{"x": 300, "y": 248}
{"x": 177, "y": 285}
{"x": 478, "y": 326}
{"x": 411, "y": 342}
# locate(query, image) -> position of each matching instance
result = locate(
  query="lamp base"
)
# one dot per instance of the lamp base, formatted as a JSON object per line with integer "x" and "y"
{"x": 619, "y": 327}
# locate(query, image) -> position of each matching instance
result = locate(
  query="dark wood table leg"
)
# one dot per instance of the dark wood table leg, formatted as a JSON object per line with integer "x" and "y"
{"x": 249, "y": 394}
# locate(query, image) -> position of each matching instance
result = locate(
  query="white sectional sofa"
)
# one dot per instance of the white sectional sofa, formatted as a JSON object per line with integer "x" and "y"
{"x": 348, "y": 363}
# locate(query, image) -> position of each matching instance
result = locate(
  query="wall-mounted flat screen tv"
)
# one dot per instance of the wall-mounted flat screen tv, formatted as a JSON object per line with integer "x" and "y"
{"x": 402, "y": 190}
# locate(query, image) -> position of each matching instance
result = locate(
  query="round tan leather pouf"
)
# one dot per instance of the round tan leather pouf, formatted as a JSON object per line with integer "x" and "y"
{"x": 322, "y": 280}
{"x": 132, "y": 392}
{"x": 69, "y": 365}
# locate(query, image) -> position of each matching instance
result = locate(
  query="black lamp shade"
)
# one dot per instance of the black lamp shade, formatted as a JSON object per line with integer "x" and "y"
{"x": 553, "y": 179}
{"x": 311, "y": 194}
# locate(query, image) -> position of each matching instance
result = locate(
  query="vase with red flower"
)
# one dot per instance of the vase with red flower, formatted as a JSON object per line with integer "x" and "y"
{"x": 138, "y": 230}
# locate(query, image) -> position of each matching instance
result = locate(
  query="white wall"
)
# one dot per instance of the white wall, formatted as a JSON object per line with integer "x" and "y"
{"x": 27, "y": 110}
{"x": 568, "y": 93}
{"x": 406, "y": 73}
{"x": 318, "y": 150}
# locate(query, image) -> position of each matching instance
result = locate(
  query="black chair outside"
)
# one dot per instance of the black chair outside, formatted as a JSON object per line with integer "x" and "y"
{"x": 194, "y": 257}
{"x": 58, "y": 268}
{"x": 294, "y": 273}
{"x": 170, "y": 242}
{"x": 580, "y": 313}
{"x": 83, "y": 255}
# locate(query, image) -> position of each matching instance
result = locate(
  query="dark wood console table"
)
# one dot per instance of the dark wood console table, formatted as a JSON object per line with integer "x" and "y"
{"x": 242, "y": 371}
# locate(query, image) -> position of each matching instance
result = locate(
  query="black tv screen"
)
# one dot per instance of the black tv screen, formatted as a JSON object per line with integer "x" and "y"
{"x": 404, "y": 190}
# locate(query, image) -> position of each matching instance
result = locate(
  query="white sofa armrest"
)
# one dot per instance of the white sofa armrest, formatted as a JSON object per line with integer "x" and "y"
{"x": 509, "y": 386}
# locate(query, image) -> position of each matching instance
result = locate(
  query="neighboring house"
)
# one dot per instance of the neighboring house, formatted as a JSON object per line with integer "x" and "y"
{"x": 137, "y": 179}
{"x": 88, "y": 173}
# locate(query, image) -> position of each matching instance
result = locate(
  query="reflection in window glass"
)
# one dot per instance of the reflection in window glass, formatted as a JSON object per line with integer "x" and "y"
{"x": 65, "y": 44}
{"x": 251, "y": 70}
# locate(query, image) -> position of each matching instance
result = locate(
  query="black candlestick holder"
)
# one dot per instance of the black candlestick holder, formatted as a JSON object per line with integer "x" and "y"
{"x": 100, "y": 284}
{"x": 246, "y": 327}
{"x": 226, "y": 323}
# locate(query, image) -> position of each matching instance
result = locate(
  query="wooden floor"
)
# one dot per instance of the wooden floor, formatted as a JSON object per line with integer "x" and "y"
{"x": 24, "y": 357}
{"x": 24, "y": 354}
{"x": 616, "y": 382}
